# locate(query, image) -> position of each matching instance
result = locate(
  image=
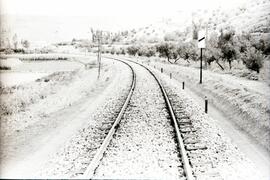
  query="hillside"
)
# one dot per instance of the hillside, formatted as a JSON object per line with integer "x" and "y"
{"x": 253, "y": 16}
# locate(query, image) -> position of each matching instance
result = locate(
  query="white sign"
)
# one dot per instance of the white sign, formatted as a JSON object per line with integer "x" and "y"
{"x": 201, "y": 39}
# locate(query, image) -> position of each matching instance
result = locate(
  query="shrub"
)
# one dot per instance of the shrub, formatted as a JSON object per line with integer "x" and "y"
{"x": 151, "y": 51}
{"x": 113, "y": 50}
{"x": 141, "y": 51}
{"x": 263, "y": 46}
{"x": 243, "y": 42}
{"x": 122, "y": 51}
{"x": 19, "y": 51}
{"x": 132, "y": 50}
{"x": 253, "y": 59}
{"x": 147, "y": 51}
{"x": 267, "y": 49}
{"x": 4, "y": 68}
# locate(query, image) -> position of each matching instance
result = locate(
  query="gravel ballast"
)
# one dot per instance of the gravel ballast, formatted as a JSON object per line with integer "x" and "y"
{"x": 72, "y": 159}
{"x": 245, "y": 102}
{"x": 144, "y": 144}
{"x": 223, "y": 158}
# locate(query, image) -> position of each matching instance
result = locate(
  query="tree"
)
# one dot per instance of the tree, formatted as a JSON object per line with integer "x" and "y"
{"x": 226, "y": 44}
{"x": 25, "y": 44}
{"x": 93, "y": 34}
{"x": 15, "y": 41}
{"x": 169, "y": 51}
{"x": 73, "y": 42}
{"x": 228, "y": 53}
{"x": 195, "y": 29}
{"x": 213, "y": 53}
{"x": 188, "y": 51}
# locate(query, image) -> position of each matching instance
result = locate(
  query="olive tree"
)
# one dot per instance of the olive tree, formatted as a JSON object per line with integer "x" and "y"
{"x": 168, "y": 51}
{"x": 226, "y": 45}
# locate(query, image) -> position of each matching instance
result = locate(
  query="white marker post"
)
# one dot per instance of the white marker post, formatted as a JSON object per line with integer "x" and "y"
{"x": 201, "y": 45}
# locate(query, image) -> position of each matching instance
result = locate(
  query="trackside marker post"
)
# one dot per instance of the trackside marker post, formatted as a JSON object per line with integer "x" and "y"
{"x": 206, "y": 105}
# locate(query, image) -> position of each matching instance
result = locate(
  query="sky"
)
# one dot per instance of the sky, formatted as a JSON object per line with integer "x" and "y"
{"x": 111, "y": 15}
{"x": 119, "y": 8}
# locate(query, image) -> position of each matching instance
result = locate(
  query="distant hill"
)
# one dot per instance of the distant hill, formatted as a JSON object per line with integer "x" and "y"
{"x": 48, "y": 29}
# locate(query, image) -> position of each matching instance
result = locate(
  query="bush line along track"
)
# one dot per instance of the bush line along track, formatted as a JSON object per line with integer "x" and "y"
{"x": 98, "y": 156}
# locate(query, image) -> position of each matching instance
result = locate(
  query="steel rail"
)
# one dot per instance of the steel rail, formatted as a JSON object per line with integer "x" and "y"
{"x": 181, "y": 146}
{"x": 184, "y": 158}
{"x": 88, "y": 174}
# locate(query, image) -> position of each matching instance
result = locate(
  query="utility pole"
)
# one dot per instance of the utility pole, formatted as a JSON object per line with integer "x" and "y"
{"x": 99, "y": 38}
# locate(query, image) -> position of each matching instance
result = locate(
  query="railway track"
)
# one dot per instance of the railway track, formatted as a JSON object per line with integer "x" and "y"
{"x": 185, "y": 163}
{"x": 99, "y": 154}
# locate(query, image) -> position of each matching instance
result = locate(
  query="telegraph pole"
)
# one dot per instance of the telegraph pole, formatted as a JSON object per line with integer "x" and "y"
{"x": 99, "y": 37}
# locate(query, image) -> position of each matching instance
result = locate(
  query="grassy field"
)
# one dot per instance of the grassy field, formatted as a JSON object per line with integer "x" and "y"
{"x": 32, "y": 81}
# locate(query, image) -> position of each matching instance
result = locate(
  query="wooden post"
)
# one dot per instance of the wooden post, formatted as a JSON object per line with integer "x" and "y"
{"x": 206, "y": 105}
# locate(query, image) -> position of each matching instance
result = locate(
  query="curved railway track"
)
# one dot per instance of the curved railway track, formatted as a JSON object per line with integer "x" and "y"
{"x": 98, "y": 156}
{"x": 90, "y": 171}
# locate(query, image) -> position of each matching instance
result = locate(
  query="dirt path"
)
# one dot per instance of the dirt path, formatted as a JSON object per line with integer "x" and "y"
{"x": 257, "y": 154}
{"x": 26, "y": 151}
